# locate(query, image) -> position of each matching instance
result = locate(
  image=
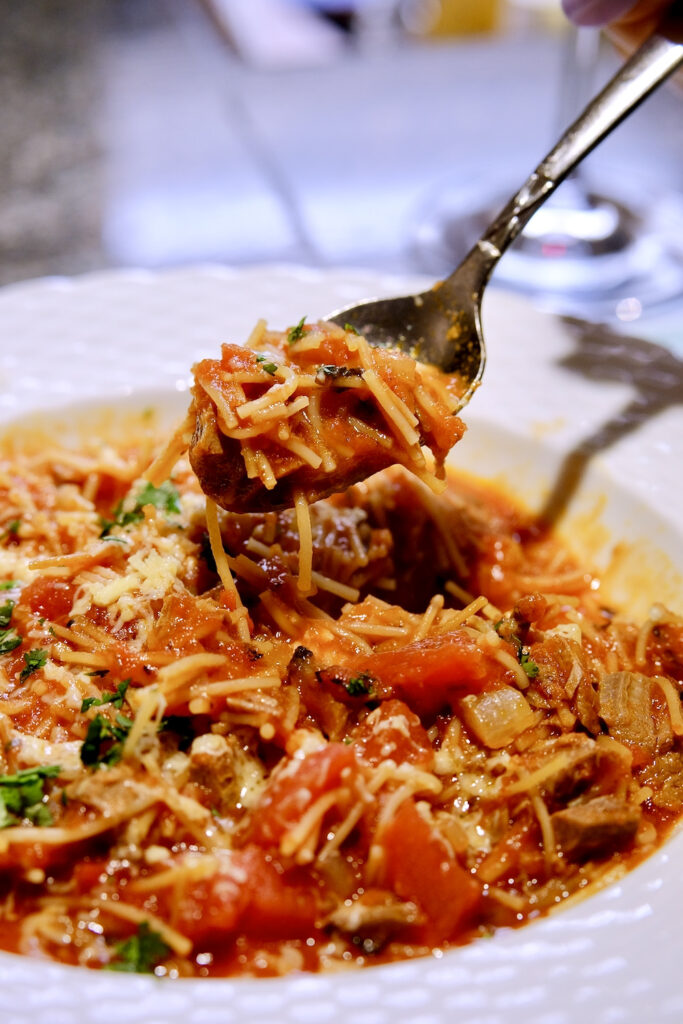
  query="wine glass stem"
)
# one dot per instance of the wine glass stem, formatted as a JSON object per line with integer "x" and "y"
{"x": 578, "y": 67}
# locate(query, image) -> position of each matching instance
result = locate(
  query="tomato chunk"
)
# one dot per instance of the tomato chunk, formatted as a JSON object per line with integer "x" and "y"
{"x": 52, "y": 598}
{"x": 394, "y": 731}
{"x": 428, "y": 674}
{"x": 296, "y": 786}
{"x": 420, "y": 866}
{"x": 250, "y": 897}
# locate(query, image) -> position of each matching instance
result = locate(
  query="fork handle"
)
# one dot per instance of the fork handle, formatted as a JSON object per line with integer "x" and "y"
{"x": 649, "y": 66}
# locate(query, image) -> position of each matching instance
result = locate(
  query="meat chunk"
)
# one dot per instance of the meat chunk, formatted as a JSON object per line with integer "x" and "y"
{"x": 626, "y": 709}
{"x": 282, "y": 453}
{"x": 321, "y": 706}
{"x": 374, "y": 907}
{"x": 578, "y": 760}
{"x": 225, "y": 771}
{"x": 595, "y": 828}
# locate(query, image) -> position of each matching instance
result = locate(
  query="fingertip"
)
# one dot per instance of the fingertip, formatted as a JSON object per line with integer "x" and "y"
{"x": 595, "y": 13}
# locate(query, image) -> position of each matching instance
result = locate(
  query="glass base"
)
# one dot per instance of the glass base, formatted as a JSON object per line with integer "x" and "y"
{"x": 584, "y": 254}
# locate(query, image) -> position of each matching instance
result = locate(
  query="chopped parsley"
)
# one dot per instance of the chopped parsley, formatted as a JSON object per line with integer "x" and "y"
{"x": 139, "y": 954}
{"x": 116, "y": 698}
{"x": 22, "y": 796}
{"x": 266, "y": 365}
{"x": 332, "y": 372}
{"x": 164, "y": 497}
{"x": 9, "y": 639}
{"x": 6, "y": 614}
{"x": 11, "y": 530}
{"x": 33, "y": 660}
{"x": 528, "y": 664}
{"x": 505, "y": 628}
{"x": 350, "y": 329}
{"x": 360, "y": 685}
{"x": 294, "y": 333}
{"x": 103, "y": 744}
{"x": 9, "y": 585}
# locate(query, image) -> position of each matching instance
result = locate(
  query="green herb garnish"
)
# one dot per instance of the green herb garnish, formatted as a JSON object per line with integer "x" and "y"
{"x": 115, "y": 698}
{"x": 9, "y": 639}
{"x": 6, "y": 614}
{"x": 22, "y": 795}
{"x": 329, "y": 370}
{"x": 9, "y": 584}
{"x": 350, "y": 329}
{"x": 269, "y": 367}
{"x": 359, "y": 686}
{"x": 11, "y": 530}
{"x": 505, "y": 629}
{"x": 165, "y": 498}
{"x": 103, "y": 744}
{"x": 529, "y": 665}
{"x": 33, "y": 660}
{"x": 139, "y": 954}
{"x": 294, "y": 333}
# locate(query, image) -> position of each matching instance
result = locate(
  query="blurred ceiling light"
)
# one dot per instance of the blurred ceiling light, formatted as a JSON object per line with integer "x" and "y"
{"x": 629, "y": 309}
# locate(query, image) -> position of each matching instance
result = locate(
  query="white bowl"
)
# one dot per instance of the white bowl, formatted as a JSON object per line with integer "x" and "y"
{"x": 563, "y": 403}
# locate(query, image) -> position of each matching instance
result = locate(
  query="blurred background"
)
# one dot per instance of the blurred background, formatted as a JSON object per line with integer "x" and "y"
{"x": 372, "y": 133}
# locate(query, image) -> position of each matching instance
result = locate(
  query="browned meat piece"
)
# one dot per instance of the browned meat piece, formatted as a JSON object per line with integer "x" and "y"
{"x": 581, "y": 767}
{"x": 595, "y": 828}
{"x": 586, "y": 705}
{"x": 258, "y": 444}
{"x": 345, "y": 546}
{"x": 373, "y": 918}
{"x": 530, "y": 608}
{"x": 579, "y": 770}
{"x": 321, "y": 707}
{"x": 665, "y": 776}
{"x": 558, "y": 659}
{"x": 224, "y": 771}
{"x": 212, "y": 764}
{"x": 626, "y": 709}
{"x": 219, "y": 466}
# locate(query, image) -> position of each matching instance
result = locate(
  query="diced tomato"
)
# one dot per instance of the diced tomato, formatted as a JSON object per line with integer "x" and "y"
{"x": 393, "y": 731}
{"x": 279, "y": 906}
{"x": 295, "y": 786}
{"x": 183, "y": 621}
{"x": 87, "y": 873}
{"x": 420, "y": 866}
{"x": 252, "y": 898}
{"x": 505, "y": 856}
{"x": 431, "y": 673}
{"x": 51, "y": 598}
{"x": 214, "y": 906}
